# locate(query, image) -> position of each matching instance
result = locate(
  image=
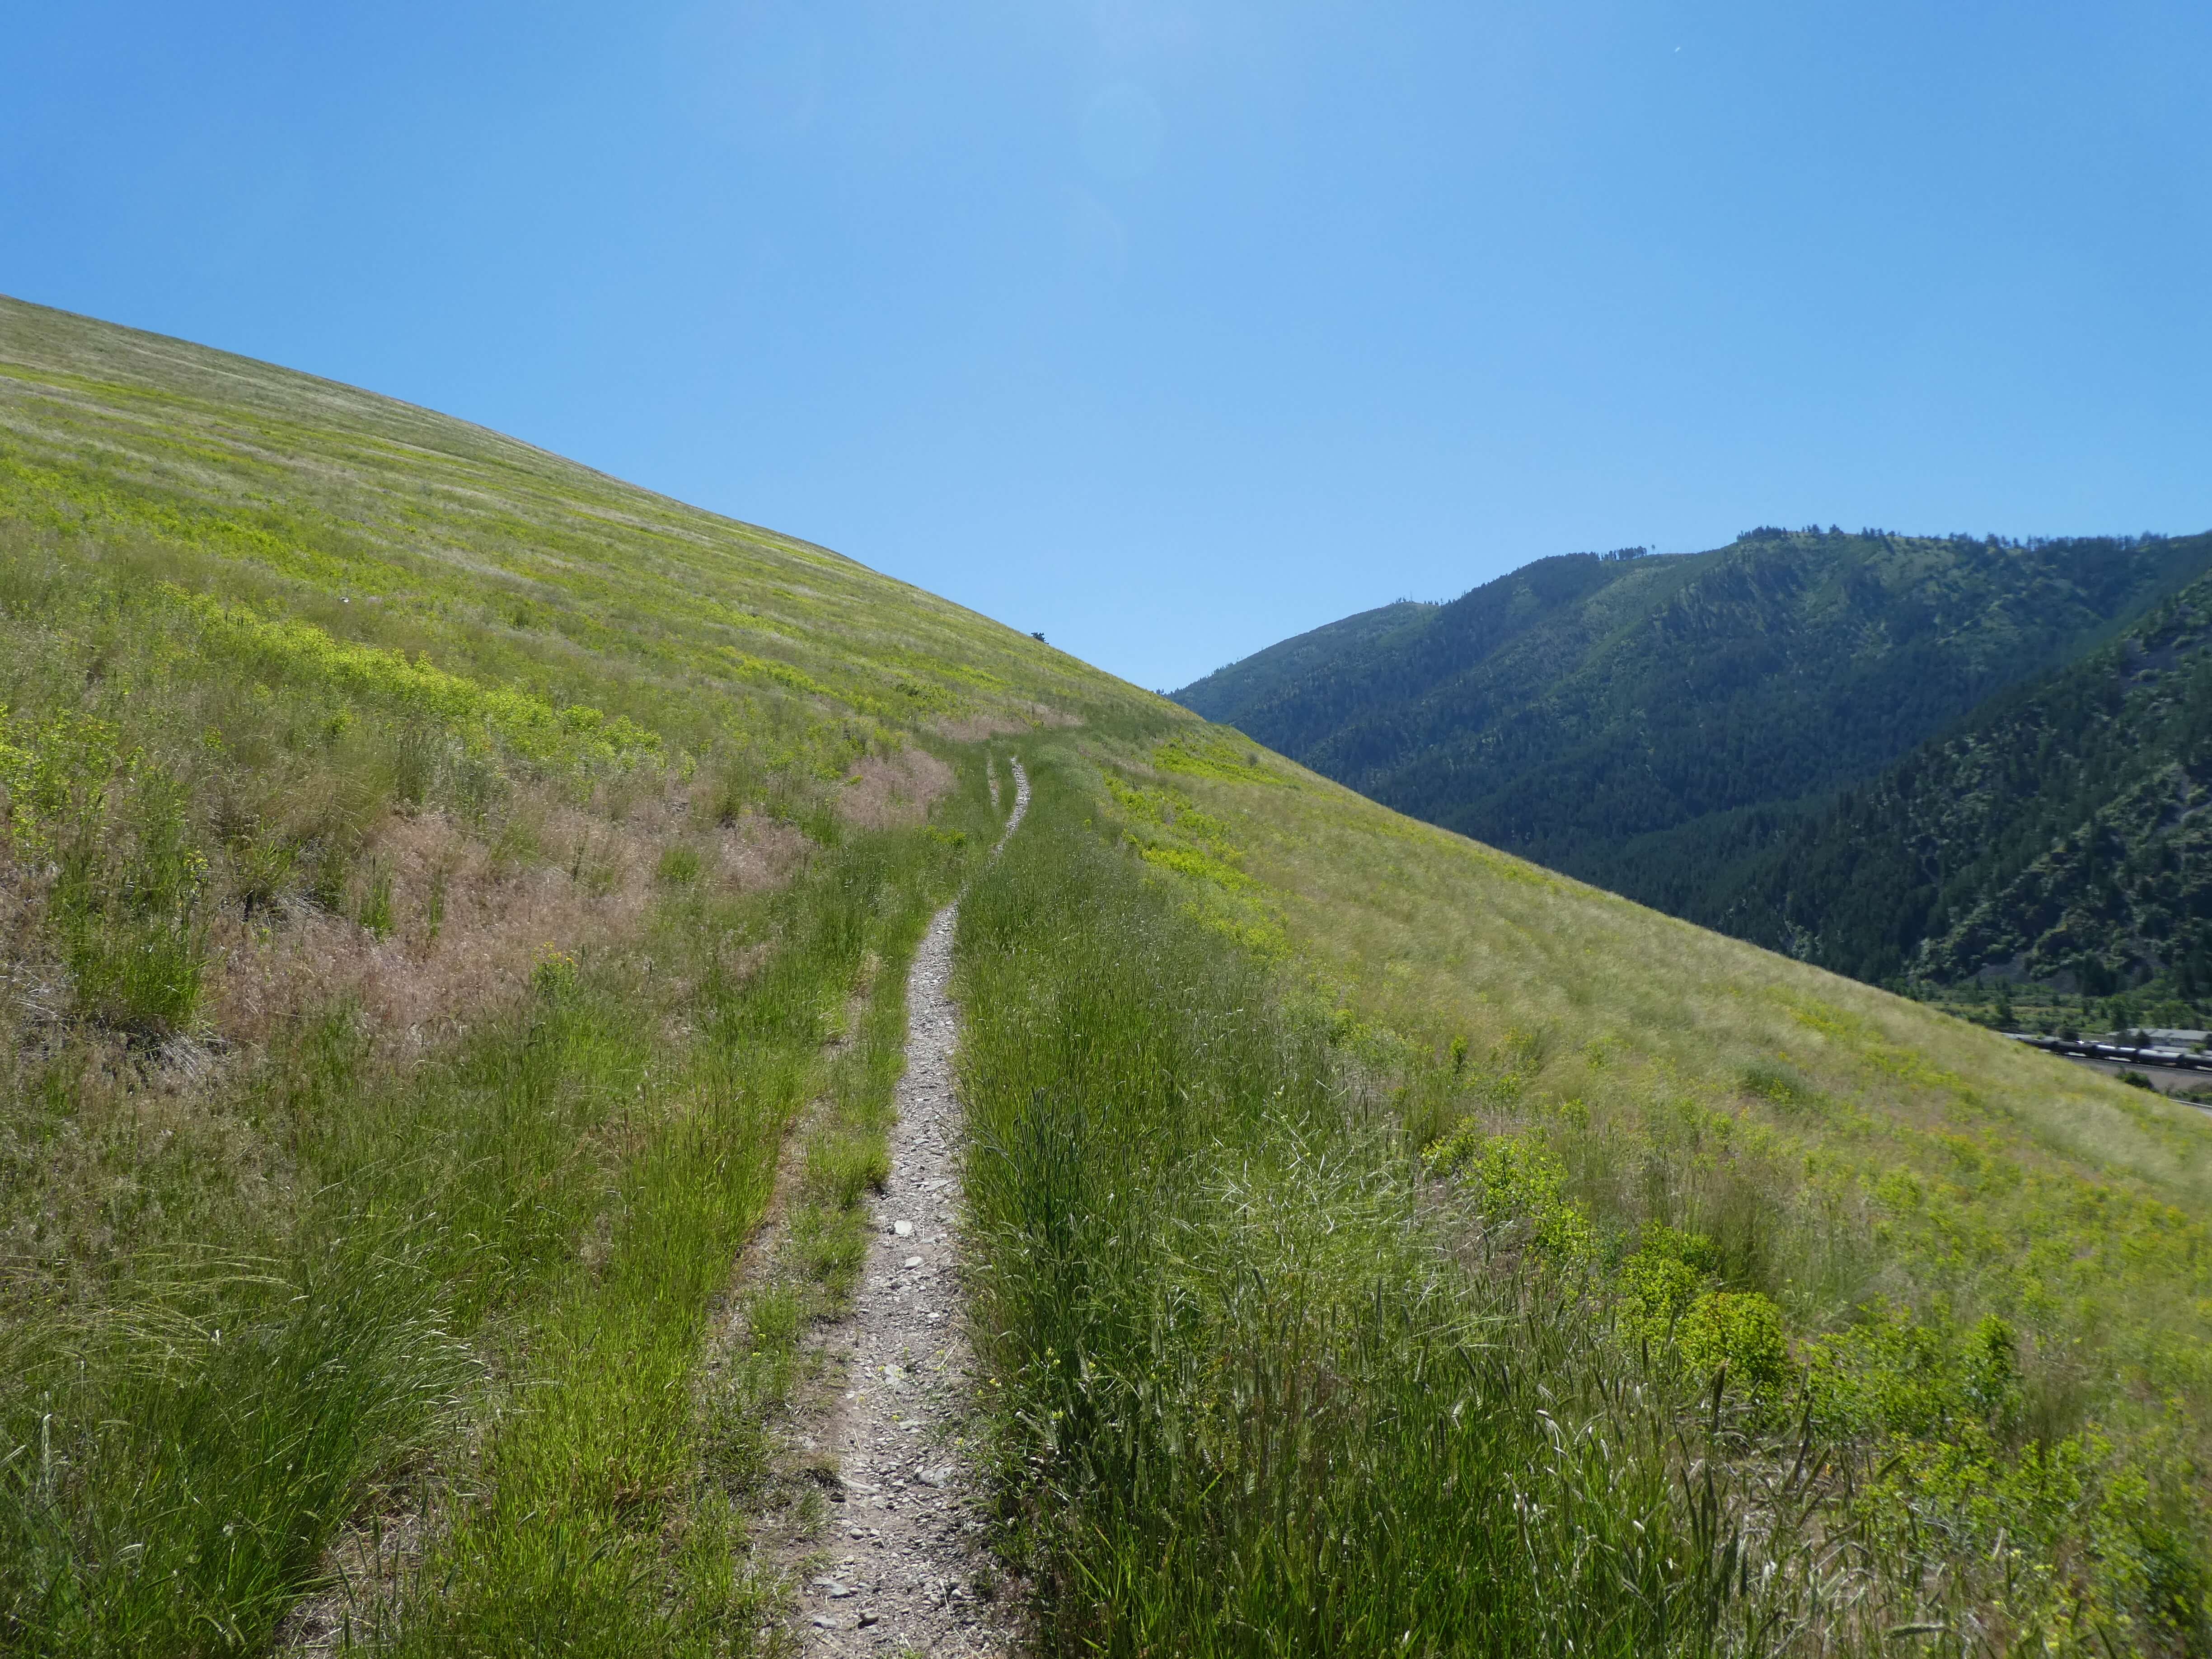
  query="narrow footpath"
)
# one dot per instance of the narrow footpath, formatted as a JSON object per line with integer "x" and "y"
{"x": 906, "y": 1570}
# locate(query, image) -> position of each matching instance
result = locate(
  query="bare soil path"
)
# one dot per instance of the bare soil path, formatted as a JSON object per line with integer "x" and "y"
{"x": 902, "y": 1564}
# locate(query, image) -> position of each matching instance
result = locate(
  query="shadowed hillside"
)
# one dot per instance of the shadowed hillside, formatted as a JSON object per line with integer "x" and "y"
{"x": 2056, "y": 835}
{"x": 1648, "y": 723}
{"x": 1251, "y": 685}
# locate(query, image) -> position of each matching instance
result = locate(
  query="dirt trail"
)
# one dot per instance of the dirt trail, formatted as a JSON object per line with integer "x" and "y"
{"x": 903, "y": 1551}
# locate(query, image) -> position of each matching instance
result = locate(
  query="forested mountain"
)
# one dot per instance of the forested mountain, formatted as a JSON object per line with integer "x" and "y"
{"x": 2059, "y": 834}
{"x": 1657, "y": 724}
{"x": 1230, "y": 694}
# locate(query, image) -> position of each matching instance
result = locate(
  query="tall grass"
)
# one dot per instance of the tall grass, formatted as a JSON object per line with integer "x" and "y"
{"x": 1248, "y": 1401}
{"x": 318, "y": 716}
{"x": 602, "y": 1459}
{"x": 183, "y": 1449}
{"x": 1956, "y": 1312}
{"x": 559, "y": 1202}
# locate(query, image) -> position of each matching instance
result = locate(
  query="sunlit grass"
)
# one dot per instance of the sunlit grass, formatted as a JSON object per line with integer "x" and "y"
{"x": 429, "y": 874}
{"x": 1852, "y": 1159}
{"x": 1248, "y": 1396}
{"x": 437, "y": 877}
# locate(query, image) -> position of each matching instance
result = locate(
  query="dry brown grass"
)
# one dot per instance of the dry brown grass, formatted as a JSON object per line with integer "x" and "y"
{"x": 977, "y": 728}
{"x": 755, "y": 852}
{"x": 471, "y": 916}
{"x": 414, "y": 990}
{"x": 151, "y": 1131}
{"x": 894, "y": 791}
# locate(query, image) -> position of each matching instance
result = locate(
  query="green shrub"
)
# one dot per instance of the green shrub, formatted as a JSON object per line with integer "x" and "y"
{"x": 1778, "y": 1084}
{"x": 1662, "y": 1280}
{"x": 1693, "y": 1250}
{"x": 58, "y": 772}
{"x": 1919, "y": 1375}
{"x": 1740, "y": 1331}
{"x": 1519, "y": 1180}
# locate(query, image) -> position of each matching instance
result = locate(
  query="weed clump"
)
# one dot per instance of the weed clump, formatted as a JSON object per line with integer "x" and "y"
{"x": 1518, "y": 1181}
{"x": 1737, "y": 1334}
{"x": 1659, "y": 1282}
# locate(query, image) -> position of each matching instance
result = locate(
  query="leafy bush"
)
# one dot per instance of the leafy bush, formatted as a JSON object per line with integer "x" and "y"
{"x": 1739, "y": 1332}
{"x": 1519, "y": 1181}
{"x": 1662, "y": 1280}
{"x": 1899, "y": 1372}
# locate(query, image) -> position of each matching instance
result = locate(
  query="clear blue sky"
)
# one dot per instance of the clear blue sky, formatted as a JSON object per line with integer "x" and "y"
{"x": 1172, "y": 329}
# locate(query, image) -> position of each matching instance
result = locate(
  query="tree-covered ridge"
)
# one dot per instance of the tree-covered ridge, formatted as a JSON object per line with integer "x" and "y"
{"x": 1227, "y": 694}
{"x": 1630, "y": 719}
{"x": 2057, "y": 836}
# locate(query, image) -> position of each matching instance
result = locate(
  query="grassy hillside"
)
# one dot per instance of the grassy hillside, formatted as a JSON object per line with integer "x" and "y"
{"x": 1648, "y": 723}
{"x": 2057, "y": 836}
{"x": 437, "y": 877}
{"x": 449, "y": 895}
{"x": 1931, "y": 1309}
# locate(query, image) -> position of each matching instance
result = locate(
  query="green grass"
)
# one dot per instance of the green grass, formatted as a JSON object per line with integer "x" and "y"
{"x": 1248, "y": 1399}
{"x": 603, "y": 1482}
{"x": 437, "y": 882}
{"x": 432, "y": 876}
{"x": 317, "y": 530}
{"x": 527, "y": 1236}
{"x": 1982, "y": 1273}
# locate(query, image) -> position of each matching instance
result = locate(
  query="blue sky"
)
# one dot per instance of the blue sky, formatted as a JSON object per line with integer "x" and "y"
{"x": 1172, "y": 329}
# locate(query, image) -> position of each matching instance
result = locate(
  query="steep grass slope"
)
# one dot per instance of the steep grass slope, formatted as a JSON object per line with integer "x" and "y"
{"x": 1928, "y": 1311}
{"x": 526, "y": 567}
{"x": 439, "y": 881}
{"x": 436, "y": 879}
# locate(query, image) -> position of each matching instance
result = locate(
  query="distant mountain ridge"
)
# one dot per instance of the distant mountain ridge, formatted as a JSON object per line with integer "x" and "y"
{"x": 1661, "y": 724}
{"x": 2059, "y": 835}
{"x": 1235, "y": 691}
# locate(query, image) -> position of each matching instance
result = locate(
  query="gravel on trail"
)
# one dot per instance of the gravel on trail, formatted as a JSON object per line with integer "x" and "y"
{"x": 900, "y": 1564}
